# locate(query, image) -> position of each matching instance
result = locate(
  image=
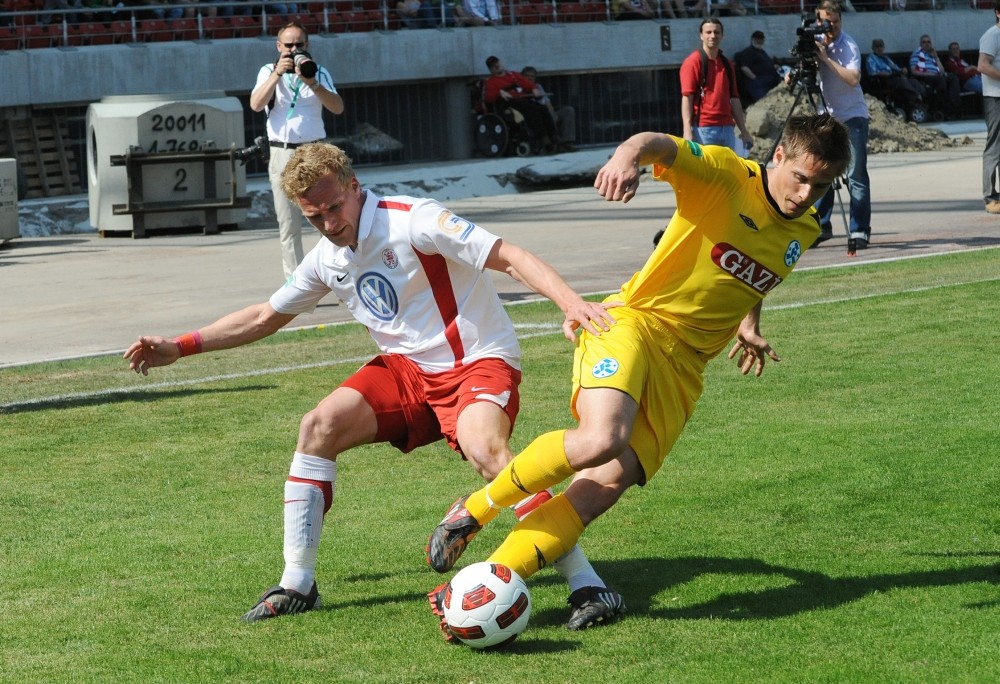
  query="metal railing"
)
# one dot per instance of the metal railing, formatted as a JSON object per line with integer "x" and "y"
{"x": 27, "y": 27}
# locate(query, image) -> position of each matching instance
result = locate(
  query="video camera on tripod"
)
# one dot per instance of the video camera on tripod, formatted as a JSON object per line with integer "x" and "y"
{"x": 804, "y": 50}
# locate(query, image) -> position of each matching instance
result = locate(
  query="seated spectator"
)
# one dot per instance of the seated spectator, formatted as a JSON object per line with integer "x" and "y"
{"x": 757, "y": 71}
{"x": 280, "y": 8}
{"x": 480, "y": 12}
{"x": 728, "y": 8}
{"x": 926, "y": 67}
{"x": 565, "y": 116}
{"x": 891, "y": 79}
{"x": 968, "y": 75}
{"x": 238, "y": 10}
{"x": 692, "y": 8}
{"x": 626, "y": 10}
{"x": 511, "y": 89}
{"x": 416, "y": 14}
{"x": 52, "y": 5}
{"x": 101, "y": 11}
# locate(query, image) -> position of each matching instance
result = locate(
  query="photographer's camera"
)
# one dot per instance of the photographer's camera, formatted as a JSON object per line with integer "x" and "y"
{"x": 304, "y": 63}
{"x": 259, "y": 150}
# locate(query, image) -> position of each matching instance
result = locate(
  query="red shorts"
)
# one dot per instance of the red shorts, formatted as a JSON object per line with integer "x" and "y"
{"x": 415, "y": 408}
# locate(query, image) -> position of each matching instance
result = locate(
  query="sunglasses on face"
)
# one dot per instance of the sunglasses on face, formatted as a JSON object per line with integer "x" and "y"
{"x": 294, "y": 45}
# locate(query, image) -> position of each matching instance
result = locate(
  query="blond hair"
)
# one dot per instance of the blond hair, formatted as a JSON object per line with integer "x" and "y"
{"x": 311, "y": 162}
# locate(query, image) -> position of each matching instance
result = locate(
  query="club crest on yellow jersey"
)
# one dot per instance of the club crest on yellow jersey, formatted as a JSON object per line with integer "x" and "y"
{"x": 605, "y": 368}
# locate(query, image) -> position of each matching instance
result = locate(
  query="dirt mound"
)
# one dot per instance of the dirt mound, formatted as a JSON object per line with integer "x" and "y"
{"x": 887, "y": 131}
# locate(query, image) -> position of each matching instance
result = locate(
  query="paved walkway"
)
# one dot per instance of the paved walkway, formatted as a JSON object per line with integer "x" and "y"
{"x": 71, "y": 295}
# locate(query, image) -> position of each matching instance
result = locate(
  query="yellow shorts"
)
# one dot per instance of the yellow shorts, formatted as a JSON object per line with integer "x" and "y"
{"x": 642, "y": 358}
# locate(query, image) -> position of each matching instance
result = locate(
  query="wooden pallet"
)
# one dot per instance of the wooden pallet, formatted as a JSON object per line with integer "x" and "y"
{"x": 38, "y": 142}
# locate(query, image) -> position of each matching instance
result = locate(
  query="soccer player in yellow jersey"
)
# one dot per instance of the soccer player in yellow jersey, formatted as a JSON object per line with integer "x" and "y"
{"x": 738, "y": 231}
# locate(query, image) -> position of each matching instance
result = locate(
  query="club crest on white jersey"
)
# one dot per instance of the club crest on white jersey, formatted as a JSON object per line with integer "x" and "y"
{"x": 605, "y": 368}
{"x": 390, "y": 259}
{"x": 378, "y": 296}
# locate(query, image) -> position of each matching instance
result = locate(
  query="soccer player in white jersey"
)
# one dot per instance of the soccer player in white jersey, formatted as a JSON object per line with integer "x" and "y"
{"x": 413, "y": 273}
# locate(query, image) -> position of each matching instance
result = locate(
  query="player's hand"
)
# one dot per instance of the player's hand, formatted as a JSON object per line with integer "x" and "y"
{"x": 753, "y": 351}
{"x": 150, "y": 352}
{"x": 592, "y": 316}
{"x": 618, "y": 179}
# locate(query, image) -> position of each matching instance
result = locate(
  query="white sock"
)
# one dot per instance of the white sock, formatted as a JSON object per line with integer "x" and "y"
{"x": 577, "y": 570}
{"x": 304, "y": 508}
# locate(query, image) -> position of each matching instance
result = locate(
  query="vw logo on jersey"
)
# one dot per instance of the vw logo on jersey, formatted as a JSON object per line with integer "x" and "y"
{"x": 378, "y": 296}
{"x": 793, "y": 252}
{"x": 605, "y": 368}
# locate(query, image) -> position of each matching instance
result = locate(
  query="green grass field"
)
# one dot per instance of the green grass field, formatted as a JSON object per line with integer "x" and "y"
{"x": 835, "y": 520}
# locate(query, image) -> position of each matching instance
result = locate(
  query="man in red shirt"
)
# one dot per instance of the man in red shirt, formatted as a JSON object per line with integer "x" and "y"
{"x": 968, "y": 75}
{"x": 710, "y": 102}
{"x": 513, "y": 90}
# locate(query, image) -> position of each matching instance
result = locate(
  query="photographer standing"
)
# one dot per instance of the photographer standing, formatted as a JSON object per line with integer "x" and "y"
{"x": 293, "y": 90}
{"x": 840, "y": 82}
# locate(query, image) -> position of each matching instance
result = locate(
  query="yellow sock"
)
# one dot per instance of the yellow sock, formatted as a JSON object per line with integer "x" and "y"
{"x": 540, "y": 466}
{"x": 548, "y": 533}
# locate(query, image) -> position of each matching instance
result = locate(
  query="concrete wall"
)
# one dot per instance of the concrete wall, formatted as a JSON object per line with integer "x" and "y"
{"x": 82, "y": 75}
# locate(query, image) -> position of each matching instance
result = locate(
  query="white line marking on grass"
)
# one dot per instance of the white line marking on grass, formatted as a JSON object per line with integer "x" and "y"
{"x": 543, "y": 328}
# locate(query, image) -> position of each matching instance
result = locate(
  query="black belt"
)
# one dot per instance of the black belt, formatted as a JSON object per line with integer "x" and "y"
{"x": 287, "y": 146}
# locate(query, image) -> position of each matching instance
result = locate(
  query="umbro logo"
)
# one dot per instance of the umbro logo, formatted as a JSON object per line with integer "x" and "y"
{"x": 749, "y": 222}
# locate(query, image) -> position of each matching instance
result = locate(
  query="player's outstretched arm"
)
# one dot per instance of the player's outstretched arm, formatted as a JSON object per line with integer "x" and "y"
{"x": 232, "y": 330}
{"x": 752, "y": 348}
{"x": 540, "y": 277}
{"x": 618, "y": 179}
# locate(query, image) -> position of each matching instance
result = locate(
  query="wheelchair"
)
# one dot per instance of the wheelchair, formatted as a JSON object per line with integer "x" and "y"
{"x": 500, "y": 129}
{"x": 918, "y": 111}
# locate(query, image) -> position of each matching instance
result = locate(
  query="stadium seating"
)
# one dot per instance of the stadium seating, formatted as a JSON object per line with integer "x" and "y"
{"x": 39, "y": 36}
{"x": 121, "y": 31}
{"x": 9, "y": 39}
{"x": 216, "y": 28}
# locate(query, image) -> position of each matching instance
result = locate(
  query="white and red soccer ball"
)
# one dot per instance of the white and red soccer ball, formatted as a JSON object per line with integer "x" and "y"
{"x": 486, "y": 604}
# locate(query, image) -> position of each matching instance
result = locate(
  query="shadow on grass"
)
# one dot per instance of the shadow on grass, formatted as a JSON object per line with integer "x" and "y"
{"x": 115, "y": 397}
{"x": 640, "y": 580}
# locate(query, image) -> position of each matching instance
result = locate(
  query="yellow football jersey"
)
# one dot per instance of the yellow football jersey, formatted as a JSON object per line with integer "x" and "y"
{"x": 726, "y": 247}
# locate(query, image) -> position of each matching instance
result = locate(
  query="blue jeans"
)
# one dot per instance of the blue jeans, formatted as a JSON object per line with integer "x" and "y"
{"x": 858, "y": 184}
{"x": 715, "y": 135}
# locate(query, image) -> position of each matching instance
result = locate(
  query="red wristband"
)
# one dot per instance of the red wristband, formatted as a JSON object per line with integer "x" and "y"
{"x": 190, "y": 343}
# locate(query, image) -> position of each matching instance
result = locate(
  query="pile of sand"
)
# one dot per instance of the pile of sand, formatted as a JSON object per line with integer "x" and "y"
{"x": 887, "y": 132}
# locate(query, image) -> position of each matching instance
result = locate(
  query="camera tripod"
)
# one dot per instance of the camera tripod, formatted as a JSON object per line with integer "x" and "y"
{"x": 804, "y": 85}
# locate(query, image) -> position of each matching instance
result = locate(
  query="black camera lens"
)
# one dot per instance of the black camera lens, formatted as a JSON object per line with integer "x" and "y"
{"x": 303, "y": 61}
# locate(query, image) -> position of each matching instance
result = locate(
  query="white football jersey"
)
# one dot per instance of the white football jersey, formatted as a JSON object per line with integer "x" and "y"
{"x": 416, "y": 282}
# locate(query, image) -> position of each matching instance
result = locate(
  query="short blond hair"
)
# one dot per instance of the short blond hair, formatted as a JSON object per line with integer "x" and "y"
{"x": 312, "y": 162}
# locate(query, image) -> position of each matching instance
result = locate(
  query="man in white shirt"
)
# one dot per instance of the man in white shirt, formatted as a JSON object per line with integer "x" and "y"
{"x": 989, "y": 48}
{"x": 414, "y": 274}
{"x": 294, "y": 90}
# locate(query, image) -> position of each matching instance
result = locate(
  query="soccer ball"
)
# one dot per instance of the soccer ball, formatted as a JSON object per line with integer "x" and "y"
{"x": 486, "y": 604}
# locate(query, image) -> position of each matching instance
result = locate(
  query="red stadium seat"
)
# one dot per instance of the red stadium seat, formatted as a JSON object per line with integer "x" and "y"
{"x": 245, "y": 26}
{"x": 183, "y": 29}
{"x": 216, "y": 28}
{"x": 121, "y": 31}
{"x": 8, "y": 39}
{"x": 154, "y": 30}
{"x": 35, "y": 36}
